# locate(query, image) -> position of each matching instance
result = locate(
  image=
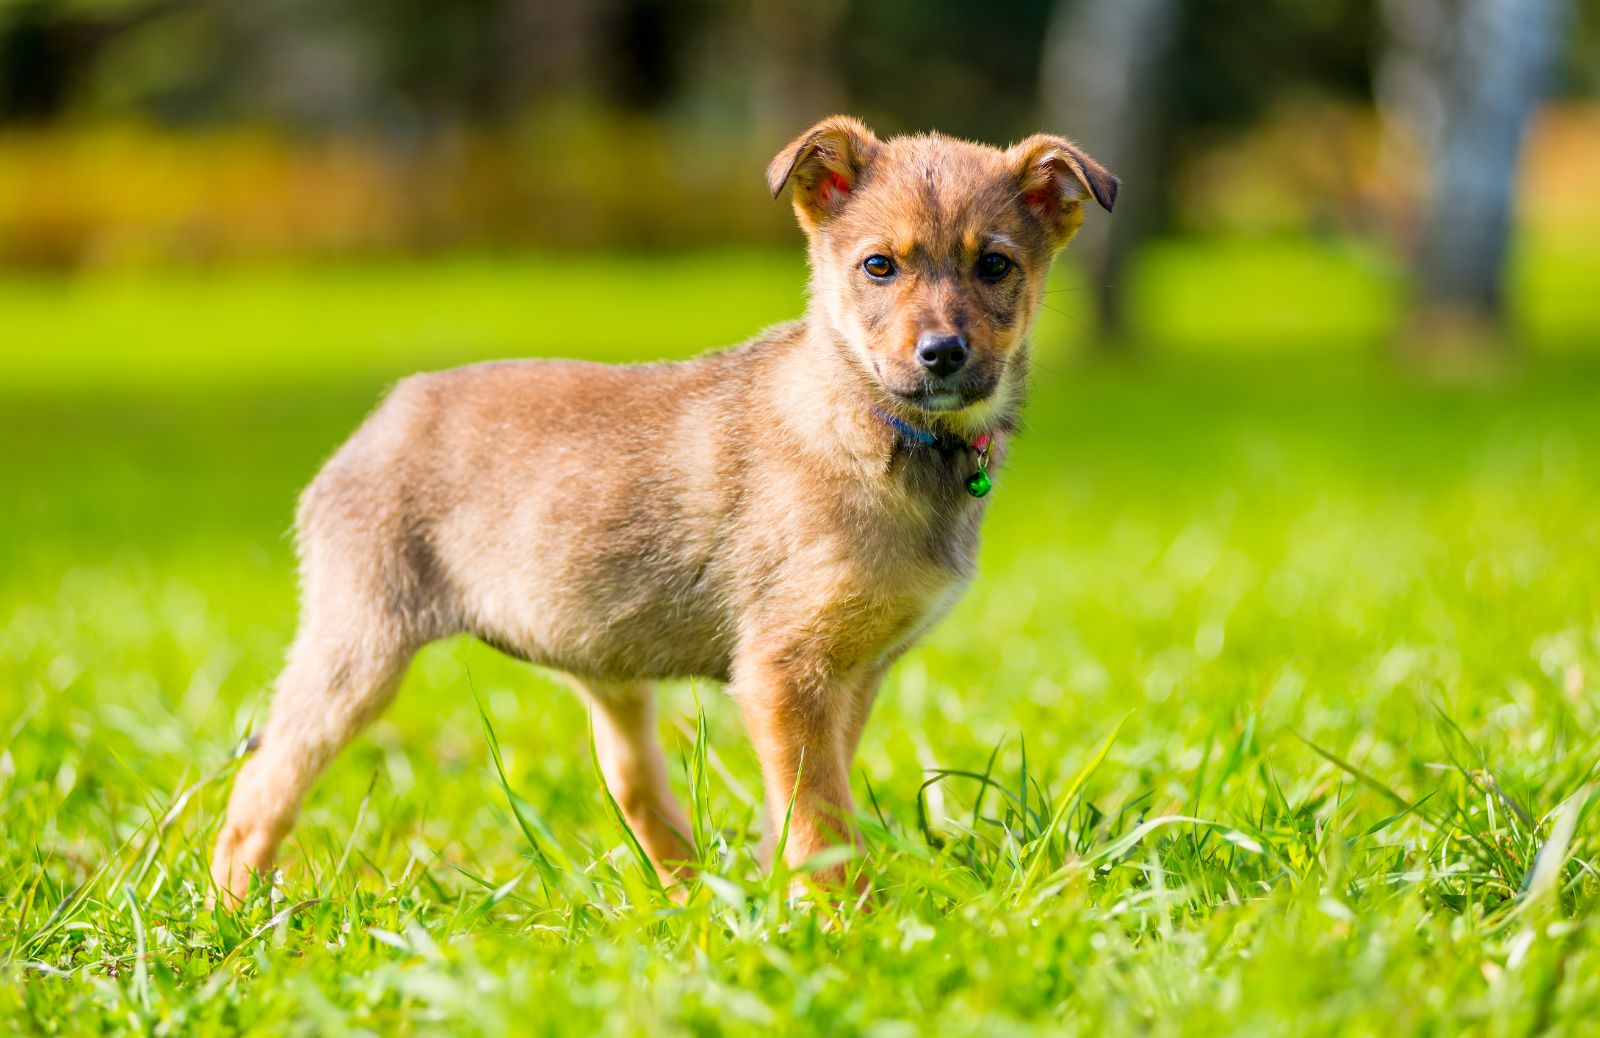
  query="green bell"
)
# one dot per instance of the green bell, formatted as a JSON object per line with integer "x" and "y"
{"x": 978, "y": 483}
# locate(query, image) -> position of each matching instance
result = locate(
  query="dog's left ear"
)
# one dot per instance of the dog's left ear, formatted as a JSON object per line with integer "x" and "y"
{"x": 826, "y": 163}
{"x": 1055, "y": 176}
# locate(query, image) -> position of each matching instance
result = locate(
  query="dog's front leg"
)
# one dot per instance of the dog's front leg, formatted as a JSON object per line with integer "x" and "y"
{"x": 799, "y": 719}
{"x": 863, "y": 695}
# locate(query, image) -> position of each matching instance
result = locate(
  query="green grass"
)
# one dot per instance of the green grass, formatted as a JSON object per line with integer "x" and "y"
{"x": 1349, "y": 625}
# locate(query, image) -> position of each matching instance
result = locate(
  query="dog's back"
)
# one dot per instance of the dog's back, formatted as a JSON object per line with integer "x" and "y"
{"x": 572, "y": 514}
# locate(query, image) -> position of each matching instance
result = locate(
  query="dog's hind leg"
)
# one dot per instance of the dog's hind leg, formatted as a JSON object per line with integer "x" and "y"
{"x": 335, "y": 682}
{"x": 635, "y": 771}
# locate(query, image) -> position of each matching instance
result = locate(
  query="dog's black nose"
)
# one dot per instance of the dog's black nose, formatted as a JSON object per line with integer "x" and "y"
{"x": 942, "y": 353}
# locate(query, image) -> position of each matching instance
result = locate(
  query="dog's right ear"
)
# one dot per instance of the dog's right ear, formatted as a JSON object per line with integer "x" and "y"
{"x": 825, "y": 163}
{"x": 1054, "y": 176}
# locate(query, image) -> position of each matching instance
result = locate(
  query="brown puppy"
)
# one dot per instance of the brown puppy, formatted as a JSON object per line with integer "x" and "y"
{"x": 786, "y": 516}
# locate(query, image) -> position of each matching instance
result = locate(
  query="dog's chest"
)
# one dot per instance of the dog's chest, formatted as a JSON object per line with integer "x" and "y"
{"x": 860, "y": 572}
{"x": 913, "y": 569}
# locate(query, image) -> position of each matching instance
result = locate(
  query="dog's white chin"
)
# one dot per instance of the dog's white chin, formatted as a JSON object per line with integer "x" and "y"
{"x": 941, "y": 402}
{"x": 960, "y": 415}
{"x": 978, "y": 416}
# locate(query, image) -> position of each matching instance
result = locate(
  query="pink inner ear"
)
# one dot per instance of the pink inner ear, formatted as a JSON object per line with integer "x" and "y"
{"x": 833, "y": 184}
{"x": 1041, "y": 198}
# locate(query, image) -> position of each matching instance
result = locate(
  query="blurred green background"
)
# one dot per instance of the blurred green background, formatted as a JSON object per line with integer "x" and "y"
{"x": 1312, "y": 451}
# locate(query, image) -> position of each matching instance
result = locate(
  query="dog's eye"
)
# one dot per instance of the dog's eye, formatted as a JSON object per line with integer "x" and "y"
{"x": 992, "y": 266}
{"x": 879, "y": 267}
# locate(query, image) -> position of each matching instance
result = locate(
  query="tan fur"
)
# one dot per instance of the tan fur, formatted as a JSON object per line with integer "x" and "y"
{"x": 744, "y": 516}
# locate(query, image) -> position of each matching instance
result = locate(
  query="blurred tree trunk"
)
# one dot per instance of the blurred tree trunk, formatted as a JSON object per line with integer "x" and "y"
{"x": 1467, "y": 76}
{"x": 1099, "y": 80}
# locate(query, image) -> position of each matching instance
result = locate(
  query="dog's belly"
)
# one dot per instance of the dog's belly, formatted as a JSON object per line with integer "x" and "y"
{"x": 621, "y": 653}
{"x": 616, "y": 640}
{"x": 618, "y": 605}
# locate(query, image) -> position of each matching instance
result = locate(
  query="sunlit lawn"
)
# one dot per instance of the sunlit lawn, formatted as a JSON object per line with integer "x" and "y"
{"x": 1349, "y": 622}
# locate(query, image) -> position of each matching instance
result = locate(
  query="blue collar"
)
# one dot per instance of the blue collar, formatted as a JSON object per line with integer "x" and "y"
{"x": 978, "y": 483}
{"x": 909, "y": 431}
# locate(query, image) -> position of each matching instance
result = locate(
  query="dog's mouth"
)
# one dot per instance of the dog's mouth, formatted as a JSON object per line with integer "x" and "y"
{"x": 942, "y": 396}
{"x": 970, "y": 388}
{"x": 943, "y": 399}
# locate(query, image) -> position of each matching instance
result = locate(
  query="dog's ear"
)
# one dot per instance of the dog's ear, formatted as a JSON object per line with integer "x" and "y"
{"x": 825, "y": 163}
{"x": 1054, "y": 176}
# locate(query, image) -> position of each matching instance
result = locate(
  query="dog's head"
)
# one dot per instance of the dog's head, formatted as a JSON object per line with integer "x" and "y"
{"x": 929, "y": 255}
